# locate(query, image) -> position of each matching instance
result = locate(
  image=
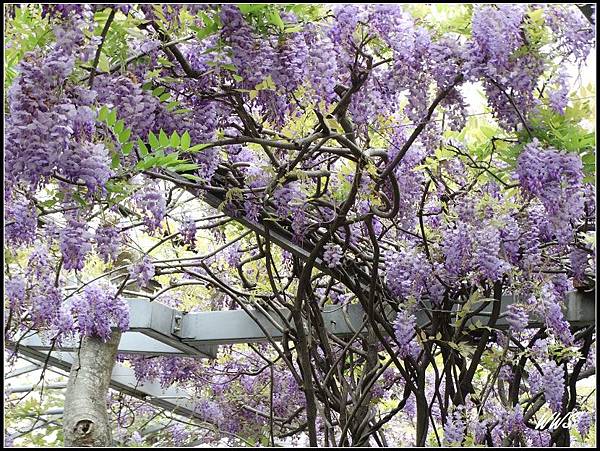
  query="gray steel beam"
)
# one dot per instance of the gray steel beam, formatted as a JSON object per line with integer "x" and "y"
{"x": 160, "y": 330}
{"x": 131, "y": 343}
{"x": 29, "y": 388}
{"x": 579, "y": 310}
{"x": 21, "y": 371}
{"x": 236, "y": 326}
{"x": 158, "y": 322}
{"x": 123, "y": 379}
{"x": 170, "y": 332}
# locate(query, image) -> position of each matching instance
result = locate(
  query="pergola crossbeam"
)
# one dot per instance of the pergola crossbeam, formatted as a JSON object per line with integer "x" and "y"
{"x": 123, "y": 379}
{"x": 160, "y": 330}
{"x": 156, "y": 329}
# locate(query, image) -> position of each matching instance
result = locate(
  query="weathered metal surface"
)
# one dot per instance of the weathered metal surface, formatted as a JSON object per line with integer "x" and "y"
{"x": 155, "y": 332}
{"x": 123, "y": 379}
{"x": 160, "y": 330}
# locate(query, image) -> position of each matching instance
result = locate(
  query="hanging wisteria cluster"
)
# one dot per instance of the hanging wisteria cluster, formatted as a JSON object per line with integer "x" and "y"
{"x": 293, "y": 156}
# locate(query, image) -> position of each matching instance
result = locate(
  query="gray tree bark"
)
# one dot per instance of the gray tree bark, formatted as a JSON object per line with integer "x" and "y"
{"x": 86, "y": 421}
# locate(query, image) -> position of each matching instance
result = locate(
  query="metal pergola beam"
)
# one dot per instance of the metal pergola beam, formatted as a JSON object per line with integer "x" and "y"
{"x": 236, "y": 326}
{"x": 160, "y": 330}
{"x": 21, "y": 371}
{"x": 123, "y": 379}
{"x": 157, "y": 321}
{"x": 277, "y": 234}
{"x": 156, "y": 329}
{"x": 30, "y": 388}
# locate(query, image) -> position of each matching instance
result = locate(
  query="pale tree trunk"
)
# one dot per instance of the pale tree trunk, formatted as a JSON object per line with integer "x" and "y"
{"x": 86, "y": 421}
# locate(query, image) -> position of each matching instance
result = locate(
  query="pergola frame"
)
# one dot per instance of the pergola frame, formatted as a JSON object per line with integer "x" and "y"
{"x": 156, "y": 329}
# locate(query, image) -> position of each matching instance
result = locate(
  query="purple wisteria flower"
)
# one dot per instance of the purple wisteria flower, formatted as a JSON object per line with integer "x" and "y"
{"x": 142, "y": 271}
{"x": 75, "y": 244}
{"x": 516, "y": 317}
{"x": 553, "y": 384}
{"x": 404, "y": 331}
{"x": 98, "y": 310}
{"x": 332, "y": 255}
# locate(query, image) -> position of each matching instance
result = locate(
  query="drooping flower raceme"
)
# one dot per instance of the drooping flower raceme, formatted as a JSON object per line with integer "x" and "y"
{"x": 487, "y": 250}
{"x": 584, "y": 423}
{"x": 332, "y": 255}
{"x": 553, "y": 384}
{"x": 556, "y": 180}
{"x": 407, "y": 273}
{"x": 21, "y": 222}
{"x": 516, "y": 317}
{"x": 142, "y": 271}
{"x": 454, "y": 429}
{"x": 87, "y": 163}
{"x": 549, "y": 306}
{"x": 153, "y": 204}
{"x": 457, "y": 248}
{"x": 75, "y": 244}
{"x": 188, "y": 231}
{"x": 107, "y": 242}
{"x": 404, "y": 331}
{"x": 98, "y": 310}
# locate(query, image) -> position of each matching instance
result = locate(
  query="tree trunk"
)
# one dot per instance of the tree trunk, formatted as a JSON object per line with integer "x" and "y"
{"x": 86, "y": 421}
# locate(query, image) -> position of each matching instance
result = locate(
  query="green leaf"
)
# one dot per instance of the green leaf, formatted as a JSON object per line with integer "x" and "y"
{"x": 142, "y": 147}
{"x": 165, "y": 96}
{"x": 119, "y": 126}
{"x": 488, "y": 131}
{"x": 267, "y": 83}
{"x": 229, "y": 67}
{"x": 127, "y": 147}
{"x": 80, "y": 200}
{"x": 153, "y": 140}
{"x": 115, "y": 161}
{"x": 185, "y": 167}
{"x": 103, "y": 114}
{"x": 111, "y": 118}
{"x": 172, "y": 105}
{"x": 210, "y": 27}
{"x": 51, "y": 202}
{"x": 197, "y": 147}
{"x": 158, "y": 91}
{"x": 249, "y": 8}
{"x": 275, "y": 19}
{"x": 147, "y": 163}
{"x": 124, "y": 135}
{"x": 204, "y": 33}
{"x": 165, "y": 62}
{"x": 293, "y": 29}
{"x": 589, "y": 158}
{"x": 185, "y": 141}
{"x": 168, "y": 160}
{"x": 112, "y": 187}
{"x": 163, "y": 139}
{"x": 193, "y": 177}
{"x": 104, "y": 64}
